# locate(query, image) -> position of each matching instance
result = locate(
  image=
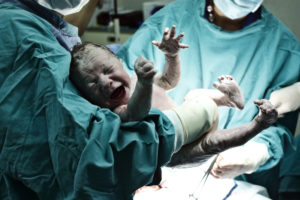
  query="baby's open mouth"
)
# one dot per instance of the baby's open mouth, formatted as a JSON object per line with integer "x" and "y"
{"x": 118, "y": 94}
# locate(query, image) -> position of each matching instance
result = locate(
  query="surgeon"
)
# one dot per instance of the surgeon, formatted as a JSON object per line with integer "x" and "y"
{"x": 54, "y": 144}
{"x": 240, "y": 38}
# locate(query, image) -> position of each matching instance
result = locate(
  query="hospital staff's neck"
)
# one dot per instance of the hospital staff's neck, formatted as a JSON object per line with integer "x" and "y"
{"x": 225, "y": 23}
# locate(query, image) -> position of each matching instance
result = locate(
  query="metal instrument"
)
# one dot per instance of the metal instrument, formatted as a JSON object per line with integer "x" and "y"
{"x": 200, "y": 186}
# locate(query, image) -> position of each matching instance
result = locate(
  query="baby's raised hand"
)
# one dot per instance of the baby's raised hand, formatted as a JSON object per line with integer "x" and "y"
{"x": 170, "y": 44}
{"x": 267, "y": 113}
{"x": 144, "y": 70}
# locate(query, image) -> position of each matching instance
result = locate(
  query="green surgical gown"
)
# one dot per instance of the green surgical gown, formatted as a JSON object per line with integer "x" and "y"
{"x": 53, "y": 143}
{"x": 262, "y": 57}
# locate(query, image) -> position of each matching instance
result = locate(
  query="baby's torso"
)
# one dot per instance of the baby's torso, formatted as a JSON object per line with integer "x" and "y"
{"x": 160, "y": 98}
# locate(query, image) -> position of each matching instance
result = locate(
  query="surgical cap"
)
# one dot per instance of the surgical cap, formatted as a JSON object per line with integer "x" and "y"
{"x": 64, "y": 7}
{"x": 235, "y": 9}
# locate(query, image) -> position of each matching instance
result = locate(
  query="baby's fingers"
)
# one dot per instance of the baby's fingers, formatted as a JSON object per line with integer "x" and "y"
{"x": 173, "y": 31}
{"x": 150, "y": 74}
{"x": 183, "y": 46}
{"x": 140, "y": 61}
{"x": 156, "y": 43}
{"x": 265, "y": 106}
{"x": 258, "y": 102}
{"x": 179, "y": 37}
{"x": 147, "y": 67}
{"x": 166, "y": 35}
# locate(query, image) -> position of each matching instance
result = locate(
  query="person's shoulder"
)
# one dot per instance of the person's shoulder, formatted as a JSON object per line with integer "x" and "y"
{"x": 30, "y": 35}
{"x": 21, "y": 19}
{"x": 286, "y": 37}
{"x": 27, "y": 29}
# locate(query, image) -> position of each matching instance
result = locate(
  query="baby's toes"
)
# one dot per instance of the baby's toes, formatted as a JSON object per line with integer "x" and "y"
{"x": 267, "y": 107}
{"x": 228, "y": 77}
{"x": 221, "y": 78}
{"x": 216, "y": 85}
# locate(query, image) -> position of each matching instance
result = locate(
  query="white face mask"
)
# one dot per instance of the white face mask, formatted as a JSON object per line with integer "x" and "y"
{"x": 235, "y": 9}
{"x": 64, "y": 7}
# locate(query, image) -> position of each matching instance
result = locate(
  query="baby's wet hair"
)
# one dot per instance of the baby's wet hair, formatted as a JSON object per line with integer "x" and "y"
{"x": 80, "y": 52}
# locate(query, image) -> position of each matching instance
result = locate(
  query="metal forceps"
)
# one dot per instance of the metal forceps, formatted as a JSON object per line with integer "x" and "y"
{"x": 200, "y": 186}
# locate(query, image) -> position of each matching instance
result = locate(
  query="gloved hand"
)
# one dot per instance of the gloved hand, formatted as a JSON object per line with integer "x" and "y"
{"x": 239, "y": 160}
{"x": 286, "y": 99}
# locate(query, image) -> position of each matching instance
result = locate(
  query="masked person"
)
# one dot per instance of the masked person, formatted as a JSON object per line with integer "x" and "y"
{"x": 53, "y": 143}
{"x": 245, "y": 40}
{"x": 56, "y": 145}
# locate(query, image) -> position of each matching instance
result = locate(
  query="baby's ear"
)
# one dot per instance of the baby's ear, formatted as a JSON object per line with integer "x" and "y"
{"x": 121, "y": 61}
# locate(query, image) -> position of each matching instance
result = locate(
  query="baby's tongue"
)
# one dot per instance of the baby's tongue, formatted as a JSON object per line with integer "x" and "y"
{"x": 118, "y": 94}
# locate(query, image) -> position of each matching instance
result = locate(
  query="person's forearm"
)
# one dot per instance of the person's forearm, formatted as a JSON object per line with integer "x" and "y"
{"x": 286, "y": 99}
{"x": 171, "y": 74}
{"x": 140, "y": 103}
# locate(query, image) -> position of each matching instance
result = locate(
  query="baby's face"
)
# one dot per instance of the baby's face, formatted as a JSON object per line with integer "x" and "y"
{"x": 105, "y": 81}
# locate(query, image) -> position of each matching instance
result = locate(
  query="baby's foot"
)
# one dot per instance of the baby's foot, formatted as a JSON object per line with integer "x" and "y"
{"x": 233, "y": 96}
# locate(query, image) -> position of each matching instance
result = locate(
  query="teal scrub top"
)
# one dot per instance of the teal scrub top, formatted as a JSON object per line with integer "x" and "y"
{"x": 262, "y": 57}
{"x": 53, "y": 143}
{"x": 290, "y": 172}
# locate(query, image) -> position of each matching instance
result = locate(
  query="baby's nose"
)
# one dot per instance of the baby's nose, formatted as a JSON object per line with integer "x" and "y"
{"x": 105, "y": 83}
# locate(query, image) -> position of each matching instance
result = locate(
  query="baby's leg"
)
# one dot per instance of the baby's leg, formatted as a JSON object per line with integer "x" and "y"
{"x": 228, "y": 93}
{"x": 217, "y": 141}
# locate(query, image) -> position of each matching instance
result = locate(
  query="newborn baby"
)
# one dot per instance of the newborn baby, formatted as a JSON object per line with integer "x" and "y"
{"x": 101, "y": 78}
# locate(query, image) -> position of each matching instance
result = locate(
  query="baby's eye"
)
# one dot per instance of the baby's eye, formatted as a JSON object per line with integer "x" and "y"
{"x": 108, "y": 70}
{"x": 92, "y": 85}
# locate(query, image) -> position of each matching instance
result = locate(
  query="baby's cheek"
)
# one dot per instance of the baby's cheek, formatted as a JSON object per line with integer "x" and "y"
{"x": 120, "y": 109}
{"x": 127, "y": 96}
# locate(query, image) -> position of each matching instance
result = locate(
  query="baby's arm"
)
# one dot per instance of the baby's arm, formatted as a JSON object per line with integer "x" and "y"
{"x": 170, "y": 45}
{"x": 140, "y": 101}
